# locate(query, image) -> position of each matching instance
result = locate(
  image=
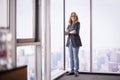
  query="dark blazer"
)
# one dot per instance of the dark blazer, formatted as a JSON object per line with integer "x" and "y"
{"x": 75, "y": 38}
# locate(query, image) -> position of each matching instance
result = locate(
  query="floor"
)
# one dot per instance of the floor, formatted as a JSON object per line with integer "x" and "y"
{"x": 90, "y": 76}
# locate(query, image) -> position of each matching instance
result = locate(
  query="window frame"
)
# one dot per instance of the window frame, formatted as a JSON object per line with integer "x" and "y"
{"x": 27, "y": 41}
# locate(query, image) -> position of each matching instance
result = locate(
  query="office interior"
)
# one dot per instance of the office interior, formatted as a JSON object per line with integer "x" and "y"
{"x": 32, "y": 35}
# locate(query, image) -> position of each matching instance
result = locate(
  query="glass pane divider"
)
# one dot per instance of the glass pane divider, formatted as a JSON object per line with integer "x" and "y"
{"x": 29, "y": 43}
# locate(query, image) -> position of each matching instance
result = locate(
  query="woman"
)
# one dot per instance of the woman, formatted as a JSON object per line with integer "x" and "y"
{"x": 73, "y": 43}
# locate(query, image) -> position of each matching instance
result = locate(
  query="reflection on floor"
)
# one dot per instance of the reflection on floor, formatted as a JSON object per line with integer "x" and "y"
{"x": 91, "y": 76}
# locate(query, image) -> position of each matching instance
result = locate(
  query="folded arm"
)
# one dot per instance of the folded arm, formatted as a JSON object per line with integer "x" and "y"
{"x": 73, "y": 32}
{"x": 67, "y": 32}
{"x": 70, "y": 32}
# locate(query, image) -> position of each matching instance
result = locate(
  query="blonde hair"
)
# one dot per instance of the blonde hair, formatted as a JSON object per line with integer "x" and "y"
{"x": 70, "y": 20}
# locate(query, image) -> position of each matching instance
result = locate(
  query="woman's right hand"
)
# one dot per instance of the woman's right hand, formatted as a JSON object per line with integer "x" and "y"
{"x": 66, "y": 30}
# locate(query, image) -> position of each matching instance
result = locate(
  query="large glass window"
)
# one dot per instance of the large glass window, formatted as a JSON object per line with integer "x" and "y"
{"x": 56, "y": 36}
{"x": 25, "y": 19}
{"x": 82, "y": 8}
{"x": 25, "y": 32}
{"x": 43, "y": 39}
{"x": 106, "y": 30}
{"x": 4, "y": 12}
{"x": 26, "y": 56}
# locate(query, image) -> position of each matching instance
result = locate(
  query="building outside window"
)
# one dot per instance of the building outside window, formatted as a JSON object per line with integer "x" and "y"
{"x": 106, "y": 48}
{"x": 57, "y": 36}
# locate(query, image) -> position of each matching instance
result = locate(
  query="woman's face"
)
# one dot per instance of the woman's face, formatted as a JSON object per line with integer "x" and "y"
{"x": 73, "y": 17}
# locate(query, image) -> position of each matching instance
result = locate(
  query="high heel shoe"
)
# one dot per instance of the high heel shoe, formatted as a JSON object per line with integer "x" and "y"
{"x": 76, "y": 74}
{"x": 70, "y": 73}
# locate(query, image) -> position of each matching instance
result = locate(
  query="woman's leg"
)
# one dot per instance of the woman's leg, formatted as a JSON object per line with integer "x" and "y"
{"x": 76, "y": 58}
{"x": 71, "y": 58}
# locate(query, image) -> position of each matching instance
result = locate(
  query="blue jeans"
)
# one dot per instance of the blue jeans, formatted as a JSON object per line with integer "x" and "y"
{"x": 74, "y": 59}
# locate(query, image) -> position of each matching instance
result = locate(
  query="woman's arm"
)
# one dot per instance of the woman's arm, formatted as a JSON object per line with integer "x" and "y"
{"x": 66, "y": 32}
{"x": 73, "y": 32}
{"x": 76, "y": 29}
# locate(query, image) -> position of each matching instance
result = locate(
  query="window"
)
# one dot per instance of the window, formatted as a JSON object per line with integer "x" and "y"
{"x": 106, "y": 30}
{"x": 4, "y": 14}
{"x": 25, "y": 19}
{"x": 82, "y": 8}
{"x": 56, "y": 36}
{"x": 5, "y": 37}
{"x": 26, "y": 56}
{"x": 25, "y": 35}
